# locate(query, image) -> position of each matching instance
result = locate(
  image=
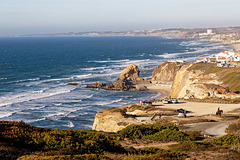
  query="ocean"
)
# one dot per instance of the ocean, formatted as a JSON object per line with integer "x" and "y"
{"x": 34, "y": 73}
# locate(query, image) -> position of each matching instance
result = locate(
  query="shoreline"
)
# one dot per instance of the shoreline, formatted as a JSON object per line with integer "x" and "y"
{"x": 164, "y": 89}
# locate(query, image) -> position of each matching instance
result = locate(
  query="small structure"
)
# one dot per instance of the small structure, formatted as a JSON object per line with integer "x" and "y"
{"x": 208, "y": 33}
{"x": 203, "y": 60}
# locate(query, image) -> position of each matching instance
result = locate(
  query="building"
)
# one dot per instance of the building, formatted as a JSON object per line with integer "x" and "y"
{"x": 208, "y": 33}
{"x": 203, "y": 60}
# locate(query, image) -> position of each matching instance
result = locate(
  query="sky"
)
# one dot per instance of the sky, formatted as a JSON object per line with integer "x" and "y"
{"x": 57, "y": 16}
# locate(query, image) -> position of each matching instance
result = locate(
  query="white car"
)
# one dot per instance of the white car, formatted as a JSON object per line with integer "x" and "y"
{"x": 174, "y": 101}
{"x": 165, "y": 101}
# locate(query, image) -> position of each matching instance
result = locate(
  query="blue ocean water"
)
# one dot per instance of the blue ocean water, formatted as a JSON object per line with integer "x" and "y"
{"x": 34, "y": 73}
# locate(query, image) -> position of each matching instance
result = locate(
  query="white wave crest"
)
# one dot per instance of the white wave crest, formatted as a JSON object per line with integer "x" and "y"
{"x": 32, "y": 95}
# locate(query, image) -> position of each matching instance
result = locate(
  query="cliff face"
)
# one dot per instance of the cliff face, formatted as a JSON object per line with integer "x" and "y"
{"x": 206, "y": 80}
{"x": 166, "y": 72}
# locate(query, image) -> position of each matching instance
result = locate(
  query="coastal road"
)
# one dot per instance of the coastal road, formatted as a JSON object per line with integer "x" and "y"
{"x": 214, "y": 129}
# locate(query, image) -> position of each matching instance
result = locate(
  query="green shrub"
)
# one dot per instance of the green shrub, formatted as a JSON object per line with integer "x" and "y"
{"x": 233, "y": 128}
{"x": 228, "y": 139}
{"x": 140, "y": 131}
{"x": 150, "y": 150}
{"x": 72, "y": 141}
{"x": 193, "y": 134}
{"x": 193, "y": 146}
{"x": 164, "y": 155}
{"x": 167, "y": 135}
{"x": 65, "y": 157}
{"x": 85, "y": 141}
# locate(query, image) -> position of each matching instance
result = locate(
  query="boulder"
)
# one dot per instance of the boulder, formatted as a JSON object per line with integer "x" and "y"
{"x": 131, "y": 72}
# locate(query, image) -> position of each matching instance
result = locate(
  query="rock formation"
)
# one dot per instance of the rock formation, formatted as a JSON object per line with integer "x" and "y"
{"x": 165, "y": 73}
{"x": 115, "y": 119}
{"x": 206, "y": 80}
{"x": 128, "y": 80}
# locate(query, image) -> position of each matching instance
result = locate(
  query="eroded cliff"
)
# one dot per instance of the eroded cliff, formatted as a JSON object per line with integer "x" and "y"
{"x": 206, "y": 80}
{"x": 166, "y": 72}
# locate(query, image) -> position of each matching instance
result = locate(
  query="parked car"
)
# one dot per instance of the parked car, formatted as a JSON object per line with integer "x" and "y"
{"x": 182, "y": 115}
{"x": 173, "y": 101}
{"x": 165, "y": 101}
{"x": 146, "y": 103}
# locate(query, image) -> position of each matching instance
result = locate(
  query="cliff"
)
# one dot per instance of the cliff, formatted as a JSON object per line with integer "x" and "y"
{"x": 166, "y": 72}
{"x": 206, "y": 80}
{"x": 115, "y": 119}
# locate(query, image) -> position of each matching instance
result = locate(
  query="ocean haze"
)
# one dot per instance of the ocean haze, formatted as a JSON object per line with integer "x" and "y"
{"x": 42, "y": 16}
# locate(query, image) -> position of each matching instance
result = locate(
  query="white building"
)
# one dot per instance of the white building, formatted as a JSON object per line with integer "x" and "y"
{"x": 208, "y": 33}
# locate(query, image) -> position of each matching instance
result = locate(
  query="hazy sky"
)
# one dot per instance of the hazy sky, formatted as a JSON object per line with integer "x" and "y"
{"x": 53, "y": 16}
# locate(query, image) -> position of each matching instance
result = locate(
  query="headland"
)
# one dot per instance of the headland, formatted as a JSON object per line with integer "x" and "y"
{"x": 201, "y": 88}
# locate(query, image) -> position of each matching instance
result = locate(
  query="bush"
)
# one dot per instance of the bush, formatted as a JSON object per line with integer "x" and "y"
{"x": 84, "y": 142}
{"x": 65, "y": 157}
{"x": 150, "y": 150}
{"x": 234, "y": 128}
{"x": 71, "y": 141}
{"x": 167, "y": 135}
{"x": 140, "y": 131}
{"x": 193, "y": 134}
{"x": 163, "y": 155}
{"x": 193, "y": 146}
{"x": 228, "y": 139}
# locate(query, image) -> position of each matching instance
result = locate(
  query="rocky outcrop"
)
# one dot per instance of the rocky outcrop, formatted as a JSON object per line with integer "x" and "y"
{"x": 131, "y": 72}
{"x": 115, "y": 119}
{"x": 128, "y": 80}
{"x": 206, "y": 80}
{"x": 166, "y": 72}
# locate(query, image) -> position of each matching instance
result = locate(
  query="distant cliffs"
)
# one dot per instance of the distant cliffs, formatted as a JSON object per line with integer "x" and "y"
{"x": 228, "y": 38}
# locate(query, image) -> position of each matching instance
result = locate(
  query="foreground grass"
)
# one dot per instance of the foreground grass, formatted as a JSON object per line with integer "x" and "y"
{"x": 22, "y": 141}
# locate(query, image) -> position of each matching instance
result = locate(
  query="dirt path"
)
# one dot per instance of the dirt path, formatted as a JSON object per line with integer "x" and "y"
{"x": 214, "y": 129}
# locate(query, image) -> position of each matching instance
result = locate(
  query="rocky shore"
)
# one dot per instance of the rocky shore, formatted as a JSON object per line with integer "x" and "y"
{"x": 128, "y": 80}
{"x": 186, "y": 81}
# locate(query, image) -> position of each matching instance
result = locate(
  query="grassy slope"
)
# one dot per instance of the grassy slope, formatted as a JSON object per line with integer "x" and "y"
{"x": 229, "y": 76}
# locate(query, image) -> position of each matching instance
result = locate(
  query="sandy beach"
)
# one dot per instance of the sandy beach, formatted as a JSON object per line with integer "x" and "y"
{"x": 196, "y": 108}
{"x": 165, "y": 89}
{"x": 199, "y": 109}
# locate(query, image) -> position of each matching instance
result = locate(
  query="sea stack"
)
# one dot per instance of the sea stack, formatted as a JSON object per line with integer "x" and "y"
{"x": 128, "y": 80}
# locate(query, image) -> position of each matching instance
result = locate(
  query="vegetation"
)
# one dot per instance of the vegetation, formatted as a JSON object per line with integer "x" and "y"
{"x": 161, "y": 155}
{"x": 234, "y": 128}
{"x": 53, "y": 141}
{"x": 22, "y": 141}
{"x": 154, "y": 132}
{"x": 65, "y": 157}
{"x": 229, "y": 76}
{"x": 228, "y": 139}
